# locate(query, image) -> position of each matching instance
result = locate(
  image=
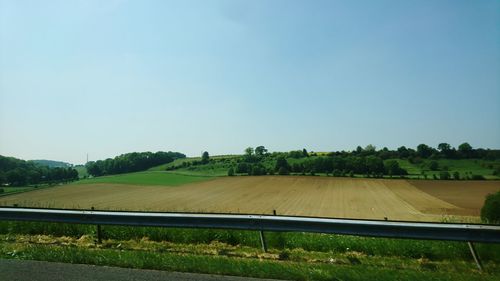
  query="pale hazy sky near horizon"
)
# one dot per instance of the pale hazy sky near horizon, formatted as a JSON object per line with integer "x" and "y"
{"x": 111, "y": 77}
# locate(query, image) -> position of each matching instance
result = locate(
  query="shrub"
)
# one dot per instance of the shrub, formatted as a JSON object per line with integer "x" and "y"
{"x": 496, "y": 172}
{"x": 1, "y": 190}
{"x": 456, "y": 175}
{"x": 230, "y": 172}
{"x": 283, "y": 171}
{"x": 433, "y": 166}
{"x": 477, "y": 177}
{"x": 444, "y": 175}
{"x": 490, "y": 213}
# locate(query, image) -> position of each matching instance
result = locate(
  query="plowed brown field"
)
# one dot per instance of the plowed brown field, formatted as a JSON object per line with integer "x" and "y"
{"x": 288, "y": 195}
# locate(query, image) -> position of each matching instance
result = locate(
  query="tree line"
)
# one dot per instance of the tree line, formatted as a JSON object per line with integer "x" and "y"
{"x": 337, "y": 165}
{"x": 131, "y": 162}
{"x": 17, "y": 172}
{"x": 367, "y": 161}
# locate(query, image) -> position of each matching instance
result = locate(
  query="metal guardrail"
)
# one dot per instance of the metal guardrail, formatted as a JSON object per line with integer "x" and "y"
{"x": 411, "y": 230}
{"x": 374, "y": 228}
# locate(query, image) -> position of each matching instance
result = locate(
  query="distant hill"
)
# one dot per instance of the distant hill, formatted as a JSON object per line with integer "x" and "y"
{"x": 52, "y": 163}
{"x": 18, "y": 172}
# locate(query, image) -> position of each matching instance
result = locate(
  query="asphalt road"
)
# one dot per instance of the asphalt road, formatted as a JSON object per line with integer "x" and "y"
{"x": 22, "y": 270}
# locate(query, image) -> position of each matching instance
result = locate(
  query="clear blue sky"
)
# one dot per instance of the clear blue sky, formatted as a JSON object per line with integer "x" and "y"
{"x": 110, "y": 77}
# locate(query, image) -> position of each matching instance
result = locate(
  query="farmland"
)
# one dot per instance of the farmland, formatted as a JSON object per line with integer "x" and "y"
{"x": 288, "y": 195}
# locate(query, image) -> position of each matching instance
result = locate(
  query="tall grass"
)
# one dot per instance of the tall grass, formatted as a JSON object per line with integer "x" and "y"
{"x": 228, "y": 266}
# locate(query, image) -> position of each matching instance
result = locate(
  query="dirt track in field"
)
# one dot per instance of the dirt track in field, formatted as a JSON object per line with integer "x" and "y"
{"x": 288, "y": 195}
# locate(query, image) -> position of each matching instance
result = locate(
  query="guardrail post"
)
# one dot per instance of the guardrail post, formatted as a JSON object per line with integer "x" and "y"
{"x": 99, "y": 234}
{"x": 263, "y": 241}
{"x": 475, "y": 256}
{"x": 99, "y": 231}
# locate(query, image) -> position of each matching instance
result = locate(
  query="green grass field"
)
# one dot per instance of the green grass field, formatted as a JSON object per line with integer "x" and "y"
{"x": 214, "y": 170}
{"x": 176, "y": 162}
{"x": 146, "y": 178}
{"x": 12, "y": 190}
{"x": 463, "y": 166}
{"x": 82, "y": 171}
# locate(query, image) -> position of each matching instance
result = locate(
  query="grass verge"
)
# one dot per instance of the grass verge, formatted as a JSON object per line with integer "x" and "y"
{"x": 218, "y": 258}
{"x": 389, "y": 247}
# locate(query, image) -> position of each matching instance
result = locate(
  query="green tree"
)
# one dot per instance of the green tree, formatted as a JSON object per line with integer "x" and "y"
{"x": 424, "y": 150}
{"x": 282, "y": 165}
{"x": 359, "y": 149}
{"x": 446, "y": 150}
{"x": 456, "y": 175}
{"x": 249, "y": 151}
{"x": 465, "y": 150}
{"x": 304, "y": 153}
{"x": 392, "y": 168}
{"x": 464, "y": 147}
{"x": 403, "y": 152}
{"x": 230, "y": 172}
{"x": 374, "y": 164}
{"x": 444, "y": 146}
{"x": 16, "y": 177}
{"x": 260, "y": 150}
{"x": 370, "y": 148}
{"x": 490, "y": 212}
{"x": 205, "y": 157}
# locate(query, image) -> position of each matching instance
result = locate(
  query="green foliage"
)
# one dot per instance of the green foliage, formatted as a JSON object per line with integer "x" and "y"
{"x": 369, "y": 162}
{"x": 249, "y": 151}
{"x": 297, "y": 154}
{"x": 260, "y": 150}
{"x": 433, "y": 165}
{"x": 283, "y": 171}
{"x": 51, "y": 163}
{"x": 205, "y": 158}
{"x": 490, "y": 213}
{"x": 131, "y": 162}
{"x": 424, "y": 150}
{"x": 17, "y": 172}
{"x": 392, "y": 168}
{"x": 257, "y": 170}
{"x": 477, "y": 177}
{"x": 465, "y": 148}
{"x": 230, "y": 172}
{"x": 444, "y": 175}
{"x": 282, "y": 166}
{"x": 456, "y": 175}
